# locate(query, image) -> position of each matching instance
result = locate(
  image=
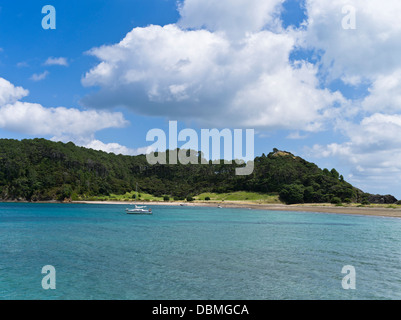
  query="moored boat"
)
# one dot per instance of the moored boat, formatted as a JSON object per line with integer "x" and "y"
{"x": 138, "y": 210}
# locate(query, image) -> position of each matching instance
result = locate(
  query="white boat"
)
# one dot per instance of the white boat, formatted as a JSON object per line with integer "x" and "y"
{"x": 138, "y": 209}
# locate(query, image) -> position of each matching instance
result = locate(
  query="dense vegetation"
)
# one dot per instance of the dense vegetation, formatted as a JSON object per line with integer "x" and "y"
{"x": 39, "y": 169}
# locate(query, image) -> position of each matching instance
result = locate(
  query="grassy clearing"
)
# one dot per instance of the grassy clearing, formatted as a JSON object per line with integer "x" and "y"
{"x": 129, "y": 196}
{"x": 240, "y": 196}
{"x": 243, "y": 196}
{"x": 219, "y": 197}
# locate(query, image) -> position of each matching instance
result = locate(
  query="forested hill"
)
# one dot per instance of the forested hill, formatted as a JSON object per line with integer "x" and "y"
{"x": 38, "y": 169}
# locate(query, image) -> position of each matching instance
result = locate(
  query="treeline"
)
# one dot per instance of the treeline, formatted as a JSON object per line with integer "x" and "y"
{"x": 40, "y": 170}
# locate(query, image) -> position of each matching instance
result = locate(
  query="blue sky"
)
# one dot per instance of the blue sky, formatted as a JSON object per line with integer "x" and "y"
{"x": 113, "y": 70}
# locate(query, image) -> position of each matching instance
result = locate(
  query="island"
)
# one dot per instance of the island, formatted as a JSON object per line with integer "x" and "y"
{"x": 39, "y": 170}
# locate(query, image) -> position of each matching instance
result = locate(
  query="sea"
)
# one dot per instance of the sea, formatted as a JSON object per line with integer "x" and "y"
{"x": 97, "y": 252}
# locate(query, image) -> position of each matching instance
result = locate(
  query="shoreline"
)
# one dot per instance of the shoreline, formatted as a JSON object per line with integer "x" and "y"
{"x": 318, "y": 208}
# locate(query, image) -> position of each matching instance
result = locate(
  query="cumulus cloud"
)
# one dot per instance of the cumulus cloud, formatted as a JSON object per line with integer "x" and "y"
{"x": 385, "y": 93}
{"x": 61, "y": 61}
{"x": 203, "y": 75}
{"x": 62, "y": 124}
{"x": 373, "y": 151}
{"x": 233, "y": 17}
{"x": 369, "y": 50}
{"x": 34, "y": 119}
{"x": 9, "y": 93}
{"x": 367, "y": 55}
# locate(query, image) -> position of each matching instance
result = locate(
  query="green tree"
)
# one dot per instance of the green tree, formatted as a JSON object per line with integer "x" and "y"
{"x": 334, "y": 174}
{"x": 292, "y": 194}
{"x": 335, "y": 200}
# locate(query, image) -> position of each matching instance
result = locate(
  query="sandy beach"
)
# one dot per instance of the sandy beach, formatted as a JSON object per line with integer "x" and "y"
{"x": 323, "y": 208}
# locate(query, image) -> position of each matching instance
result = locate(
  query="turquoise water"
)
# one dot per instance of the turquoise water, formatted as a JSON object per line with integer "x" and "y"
{"x": 99, "y": 252}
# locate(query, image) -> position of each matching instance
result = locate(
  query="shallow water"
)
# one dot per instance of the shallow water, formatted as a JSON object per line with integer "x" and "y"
{"x": 99, "y": 252}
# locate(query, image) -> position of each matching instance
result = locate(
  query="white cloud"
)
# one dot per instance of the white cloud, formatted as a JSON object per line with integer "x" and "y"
{"x": 62, "y": 124}
{"x": 116, "y": 148}
{"x": 203, "y": 75}
{"x": 373, "y": 152}
{"x": 371, "y": 49}
{"x": 385, "y": 93}
{"x": 40, "y": 76}
{"x": 34, "y": 119}
{"x": 9, "y": 93}
{"x": 368, "y": 55}
{"x": 233, "y": 17}
{"x": 56, "y": 62}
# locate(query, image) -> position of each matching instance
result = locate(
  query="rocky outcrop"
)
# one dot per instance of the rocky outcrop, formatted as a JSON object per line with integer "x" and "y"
{"x": 380, "y": 199}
